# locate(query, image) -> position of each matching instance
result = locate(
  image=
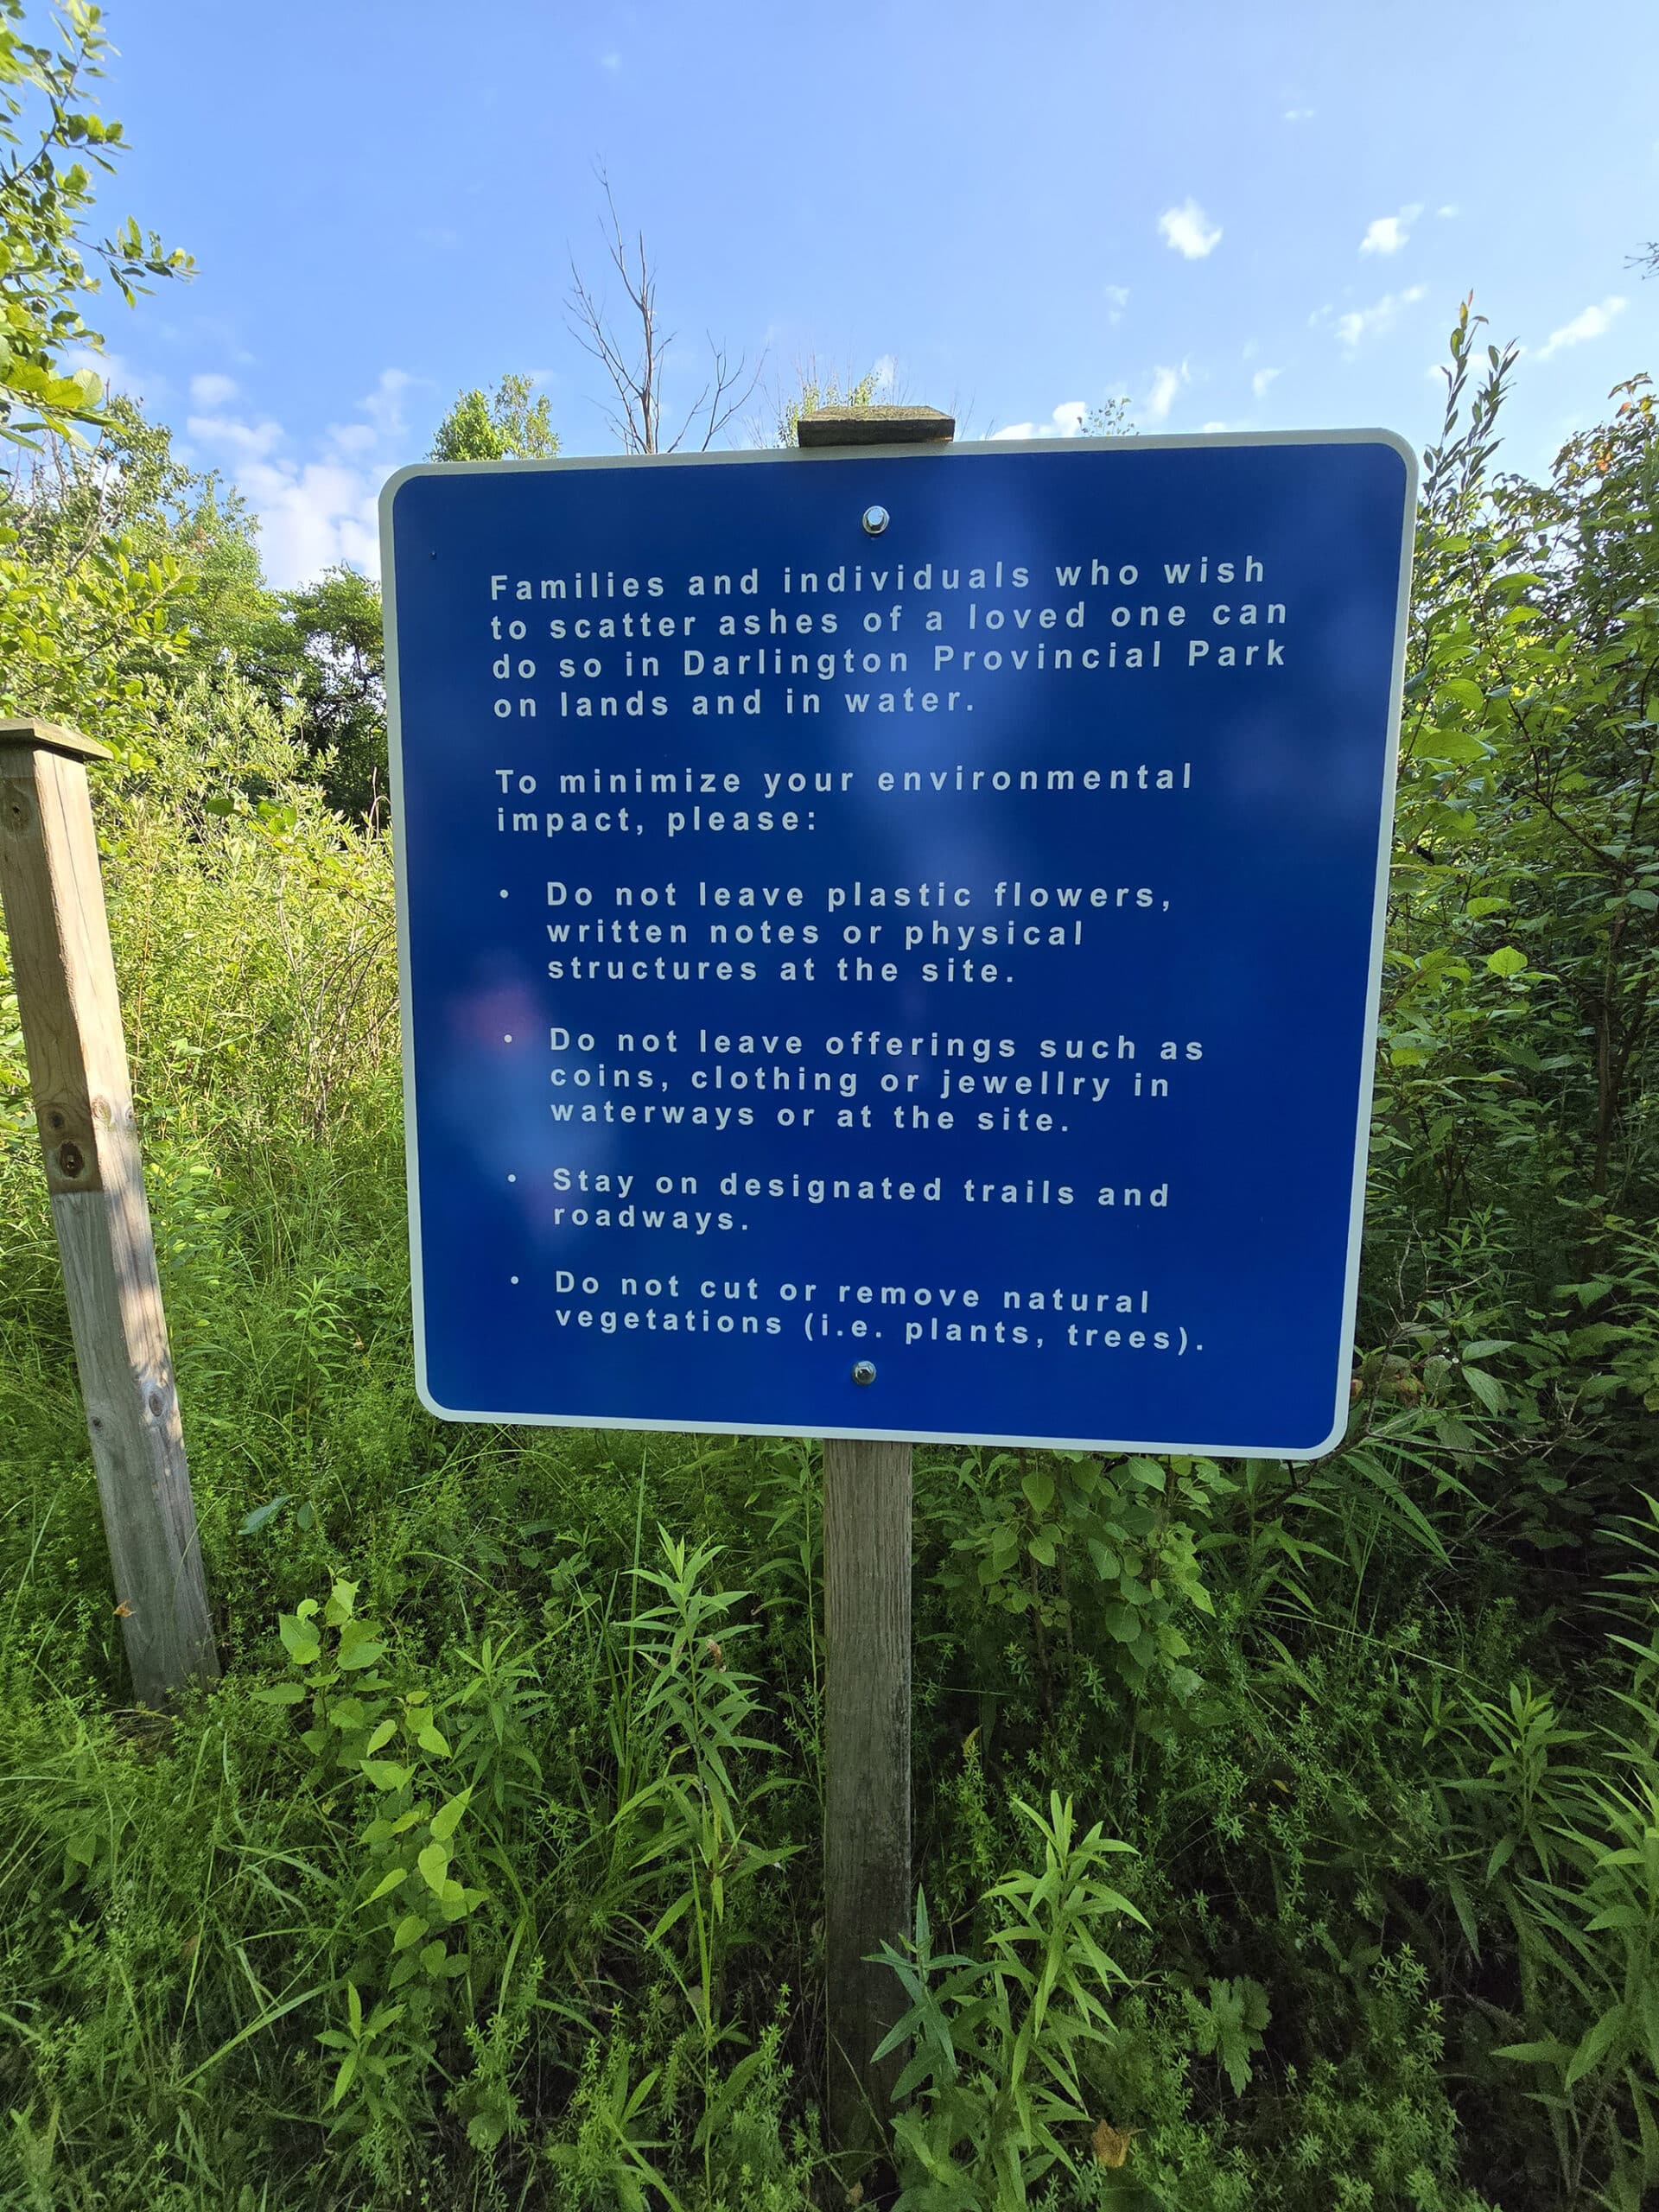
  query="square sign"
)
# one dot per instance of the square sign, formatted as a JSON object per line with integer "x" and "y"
{"x": 891, "y": 938}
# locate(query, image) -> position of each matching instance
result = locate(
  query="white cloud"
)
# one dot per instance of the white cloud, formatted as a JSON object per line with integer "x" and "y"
{"x": 883, "y": 371}
{"x": 1208, "y": 427}
{"x": 243, "y": 441}
{"x": 213, "y": 390}
{"x": 1117, "y": 298}
{"x": 1361, "y": 323}
{"x": 1165, "y": 383}
{"x": 384, "y": 405}
{"x": 1594, "y": 322}
{"x": 1065, "y": 421}
{"x": 1298, "y": 114}
{"x": 1446, "y": 212}
{"x": 612, "y": 61}
{"x": 1390, "y": 233}
{"x": 1262, "y": 379}
{"x": 313, "y": 511}
{"x": 1189, "y": 231}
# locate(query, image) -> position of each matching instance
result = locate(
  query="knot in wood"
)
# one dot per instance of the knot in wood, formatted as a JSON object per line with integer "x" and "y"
{"x": 71, "y": 1161}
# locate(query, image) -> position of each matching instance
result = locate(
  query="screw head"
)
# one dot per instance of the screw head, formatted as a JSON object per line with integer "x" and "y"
{"x": 864, "y": 1371}
{"x": 875, "y": 521}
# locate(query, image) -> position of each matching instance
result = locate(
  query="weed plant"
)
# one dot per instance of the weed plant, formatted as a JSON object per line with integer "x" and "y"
{"x": 1288, "y": 1837}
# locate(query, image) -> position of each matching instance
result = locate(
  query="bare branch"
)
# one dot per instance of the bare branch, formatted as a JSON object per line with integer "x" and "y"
{"x": 635, "y": 369}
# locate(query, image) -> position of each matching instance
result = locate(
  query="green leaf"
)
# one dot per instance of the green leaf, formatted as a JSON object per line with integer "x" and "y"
{"x": 302, "y": 1641}
{"x": 409, "y": 1930}
{"x": 1598, "y": 2040}
{"x": 1508, "y": 960}
{"x": 279, "y": 1694}
{"x": 434, "y": 1863}
{"x": 387, "y": 1884}
{"x": 251, "y": 1523}
{"x": 1487, "y": 1387}
{"x": 1550, "y": 2052}
{"x": 385, "y": 1774}
{"x": 341, "y": 1598}
{"x": 1463, "y": 691}
{"x": 1039, "y": 1487}
{"x": 446, "y": 1820}
{"x": 359, "y": 1646}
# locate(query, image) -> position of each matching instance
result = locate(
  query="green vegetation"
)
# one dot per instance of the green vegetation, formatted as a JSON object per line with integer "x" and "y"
{"x": 1288, "y": 1836}
{"x": 52, "y": 138}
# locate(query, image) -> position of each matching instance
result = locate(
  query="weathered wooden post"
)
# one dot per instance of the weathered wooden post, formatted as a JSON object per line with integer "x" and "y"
{"x": 53, "y": 905}
{"x": 867, "y": 1632}
{"x": 867, "y": 1530}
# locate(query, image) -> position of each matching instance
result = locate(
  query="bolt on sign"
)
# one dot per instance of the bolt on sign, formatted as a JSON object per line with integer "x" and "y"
{"x": 891, "y": 938}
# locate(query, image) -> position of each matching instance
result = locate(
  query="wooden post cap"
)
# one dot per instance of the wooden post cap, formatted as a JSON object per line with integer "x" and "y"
{"x": 51, "y": 737}
{"x": 876, "y": 426}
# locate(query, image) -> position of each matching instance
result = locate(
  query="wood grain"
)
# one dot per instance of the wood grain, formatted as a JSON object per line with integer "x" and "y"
{"x": 876, "y": 426}
{"x": 53, "y": 898}
{"x": 867, "y": 1568}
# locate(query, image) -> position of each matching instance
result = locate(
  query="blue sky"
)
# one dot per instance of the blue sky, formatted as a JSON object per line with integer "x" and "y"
{"x": 1250, "y": 216}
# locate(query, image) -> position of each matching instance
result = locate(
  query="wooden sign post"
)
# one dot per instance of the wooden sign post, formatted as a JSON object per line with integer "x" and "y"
{"x": 53, "y": 903}
{"x": 867, "y": 1874}
{"x": 866, "y": 1634}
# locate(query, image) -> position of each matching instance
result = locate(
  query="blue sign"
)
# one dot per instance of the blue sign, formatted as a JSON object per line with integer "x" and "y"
{"x": 890, "y": 939}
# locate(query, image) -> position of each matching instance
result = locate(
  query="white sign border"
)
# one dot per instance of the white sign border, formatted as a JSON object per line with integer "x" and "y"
{"x": 828, "y": 456}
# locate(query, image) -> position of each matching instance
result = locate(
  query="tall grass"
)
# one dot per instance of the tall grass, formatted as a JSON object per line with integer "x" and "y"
{"x": 490, "y": 1875}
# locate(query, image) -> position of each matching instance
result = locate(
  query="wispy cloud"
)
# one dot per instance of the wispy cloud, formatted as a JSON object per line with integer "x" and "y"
{"x": 883, "y": 371}
{"x": 1353, "y": 328}
{"x": 1298, "y": 114}
{"x": 1160, "y": 395}
{"x": 314, "y": 511}
{"x": 1390, "y": 233}
{"x": 1065, "y": 421}
{"x": 1594, "y": 322}
{"x": 1189, "y": 231}
{"x": 1117, "y": 298}
{"x": 1262, "y": 379}
{"x": 211, "y": 391}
